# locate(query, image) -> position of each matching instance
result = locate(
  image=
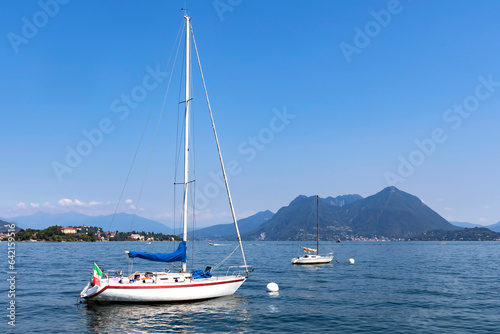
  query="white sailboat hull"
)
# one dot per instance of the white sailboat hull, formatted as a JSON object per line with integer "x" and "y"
{"x": 138, "y": 292}
{"x": 312, "y": 259}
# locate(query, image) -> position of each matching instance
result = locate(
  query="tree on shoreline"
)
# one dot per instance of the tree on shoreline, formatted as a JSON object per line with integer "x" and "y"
{"x": 54, "y": 234}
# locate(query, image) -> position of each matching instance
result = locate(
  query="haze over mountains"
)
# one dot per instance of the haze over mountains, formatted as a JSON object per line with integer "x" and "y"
{"x": 227, "y": 231}
{"x": 494, "y": 227}
{"x": 465, "y": 224}
{"x": 391, "y": 213}
{"x": 121, "y": 222}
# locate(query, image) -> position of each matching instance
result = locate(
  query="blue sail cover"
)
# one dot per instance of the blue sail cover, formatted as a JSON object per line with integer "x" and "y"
{"x": 197, "y": 274}
{"x": 178, "y": 255}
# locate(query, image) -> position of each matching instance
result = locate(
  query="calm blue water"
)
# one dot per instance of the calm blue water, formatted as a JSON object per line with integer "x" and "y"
{"x": 403, "y": 287}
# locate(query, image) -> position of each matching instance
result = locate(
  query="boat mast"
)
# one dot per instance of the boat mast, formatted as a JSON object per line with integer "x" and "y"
{"x": 186, "y": 133}
{"x": 317, "y": 225}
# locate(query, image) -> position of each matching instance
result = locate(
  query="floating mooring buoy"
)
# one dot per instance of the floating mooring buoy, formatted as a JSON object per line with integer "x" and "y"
{"x": 272, "y": 287}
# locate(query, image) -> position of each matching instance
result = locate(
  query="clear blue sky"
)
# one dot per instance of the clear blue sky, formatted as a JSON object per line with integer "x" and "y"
{"x": 364, "y": 81}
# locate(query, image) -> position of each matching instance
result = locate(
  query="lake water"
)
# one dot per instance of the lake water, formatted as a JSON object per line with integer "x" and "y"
{"x": 403, "y": 287}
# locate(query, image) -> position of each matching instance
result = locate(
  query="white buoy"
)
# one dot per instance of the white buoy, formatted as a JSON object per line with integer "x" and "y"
{"x": 272, "y": 287}
{"x": 351, "y": 261}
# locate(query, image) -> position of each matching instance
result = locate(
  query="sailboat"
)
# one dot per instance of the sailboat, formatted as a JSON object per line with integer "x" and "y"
{"x": 313, "y": 258}
{"x": 182, "y": 285}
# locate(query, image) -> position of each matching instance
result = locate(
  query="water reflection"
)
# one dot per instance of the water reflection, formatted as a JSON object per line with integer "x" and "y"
{"x": 221, "y": 315}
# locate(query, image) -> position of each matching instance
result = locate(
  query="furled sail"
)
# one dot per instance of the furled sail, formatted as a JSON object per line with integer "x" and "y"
{"x": 310, "y": 250}
{"x": 178, "y": 255}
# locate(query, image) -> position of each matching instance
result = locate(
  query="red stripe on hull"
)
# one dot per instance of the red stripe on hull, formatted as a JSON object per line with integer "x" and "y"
{"x": 161, "y": 286}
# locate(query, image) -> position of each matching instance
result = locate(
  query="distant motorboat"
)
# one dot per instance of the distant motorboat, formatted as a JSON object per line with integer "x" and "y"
{"x": 213, "y": 244}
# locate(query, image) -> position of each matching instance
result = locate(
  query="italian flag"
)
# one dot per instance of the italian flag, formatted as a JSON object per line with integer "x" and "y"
{"x": 97, "y": 275}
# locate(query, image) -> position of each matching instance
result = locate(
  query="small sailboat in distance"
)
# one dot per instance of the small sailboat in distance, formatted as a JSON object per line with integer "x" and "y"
{"x": 182, "y": 285}
{"x": 313, "y": 258}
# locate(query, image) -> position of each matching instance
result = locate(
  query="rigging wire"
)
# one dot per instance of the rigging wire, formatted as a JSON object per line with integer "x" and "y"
{"x": 179, "y": 135}
{"x": 220, "y": 157}
{"x": 154, "y": 141}
{"x": 177, "y": 144}
{"x": 142, "y": 136}
{"x": 227, "y": 257}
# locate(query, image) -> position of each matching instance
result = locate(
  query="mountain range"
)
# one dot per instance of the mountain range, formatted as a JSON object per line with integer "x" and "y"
{"x": 465, "y": 224}
{"x": 493, "y": 227}
{"x": 390, "y": 213}
{"x": 121, "y": 222}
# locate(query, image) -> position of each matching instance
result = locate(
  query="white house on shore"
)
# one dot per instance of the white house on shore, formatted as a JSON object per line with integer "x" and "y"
{"x": 68, "y": 230}
{"x": 137, "y": 236}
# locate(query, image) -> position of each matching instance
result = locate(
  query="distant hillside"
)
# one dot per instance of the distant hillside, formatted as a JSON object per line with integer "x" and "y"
{"x": 494, "y": 227}
{"x": 121, "y": 222}
{"x": 42, "y": 220}
{"x": 226, "y": 231}
{"x": 464, "y": 224}
{"x": 393, "y": 213}
{"x": 297, "y": 221}
{"x": 466, "y": 234}
{"x": 390, "y": 213}
{"x": 4, "y": 228}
